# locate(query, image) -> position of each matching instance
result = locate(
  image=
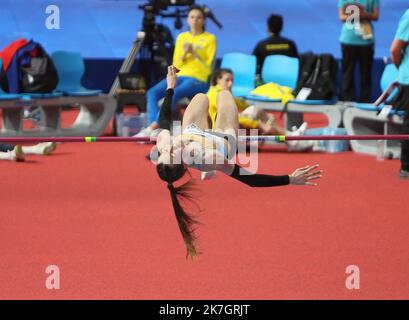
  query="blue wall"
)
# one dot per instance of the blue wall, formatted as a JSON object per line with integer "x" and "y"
{"x": 106, "y": 28}
{"x": 103, "y": 30}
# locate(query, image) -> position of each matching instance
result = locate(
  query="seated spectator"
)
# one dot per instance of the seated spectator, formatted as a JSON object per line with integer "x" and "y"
{"x": 194, "y": 55}
{"x": 274, "y": 44}
{"x": 252, "y": 117}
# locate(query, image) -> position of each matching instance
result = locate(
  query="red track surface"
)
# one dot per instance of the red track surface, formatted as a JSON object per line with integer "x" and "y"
{"x": 100, "y": 213}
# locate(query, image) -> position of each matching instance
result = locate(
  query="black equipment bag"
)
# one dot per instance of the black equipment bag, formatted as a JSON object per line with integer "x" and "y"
{"x": 318, "y": 73}
{"x": 36, "y": 72}
{"x": 41, "y": 76}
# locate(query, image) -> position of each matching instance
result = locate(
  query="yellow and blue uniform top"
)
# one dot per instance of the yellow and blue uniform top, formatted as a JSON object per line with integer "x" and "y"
{"x": 205, "y": 46}
{"x": 241, "y": 105}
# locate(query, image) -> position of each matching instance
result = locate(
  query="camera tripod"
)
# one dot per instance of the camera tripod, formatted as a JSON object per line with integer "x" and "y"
{"x": 156, "y": 35}
{"x": 129, "y": 61}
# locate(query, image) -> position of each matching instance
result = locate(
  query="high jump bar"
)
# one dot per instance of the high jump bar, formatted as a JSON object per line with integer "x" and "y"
{"x": 278, "y": 138}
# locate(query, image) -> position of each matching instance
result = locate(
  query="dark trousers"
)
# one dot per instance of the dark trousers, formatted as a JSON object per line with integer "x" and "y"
{"x": 404, "y": 157}
{"x": 6, "y": 147}
{"x": 351, "y": 55}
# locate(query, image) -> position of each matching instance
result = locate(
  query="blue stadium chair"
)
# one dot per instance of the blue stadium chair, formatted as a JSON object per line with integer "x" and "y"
{"x": 389, "y": 75}
{"x": 70, "y": 69}
{"x": 50, "y": 95}
{"x": 284, "y": 71}
{"x": 363, "y": 119}
{"x": 279, "y": 69}
{"x": 244, "y": 67}
{"x": 96, "y": 110}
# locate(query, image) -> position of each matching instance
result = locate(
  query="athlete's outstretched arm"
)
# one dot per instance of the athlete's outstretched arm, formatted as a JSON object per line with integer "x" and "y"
{"x": 301, "y": 176}
{"x": 164, "y": 140}
{"x": 165, "y": 115}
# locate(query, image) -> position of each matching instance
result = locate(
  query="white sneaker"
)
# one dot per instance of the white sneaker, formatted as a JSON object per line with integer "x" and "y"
{"x": 47, "y": 147}
{"x": 299, "y": 145}
{"x": 43, "y": 148}
{"x": 144, "y": 133}
{"x": 300, "y": 131}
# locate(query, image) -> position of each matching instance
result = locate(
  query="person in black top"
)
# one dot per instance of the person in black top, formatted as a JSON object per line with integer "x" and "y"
{"x": 202, "y": 148}
{"x": 274, "y": 44}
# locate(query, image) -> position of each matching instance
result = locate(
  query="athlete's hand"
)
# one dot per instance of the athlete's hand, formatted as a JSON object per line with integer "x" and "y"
{"x": 188, "y": 47}
{"x": 171, "y": 77}
{"x": 303, "y": 176}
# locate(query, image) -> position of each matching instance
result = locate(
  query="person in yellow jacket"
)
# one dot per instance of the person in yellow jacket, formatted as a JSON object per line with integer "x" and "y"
{"x": 194, "y": 56}
{"x": 250, "y": 117}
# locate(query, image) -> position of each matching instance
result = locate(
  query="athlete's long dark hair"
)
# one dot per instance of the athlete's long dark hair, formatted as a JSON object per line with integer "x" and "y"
{"x": 171, "y": 173}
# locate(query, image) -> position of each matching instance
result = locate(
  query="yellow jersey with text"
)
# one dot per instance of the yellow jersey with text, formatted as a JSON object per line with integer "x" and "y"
{"x": 200, "y": 67}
